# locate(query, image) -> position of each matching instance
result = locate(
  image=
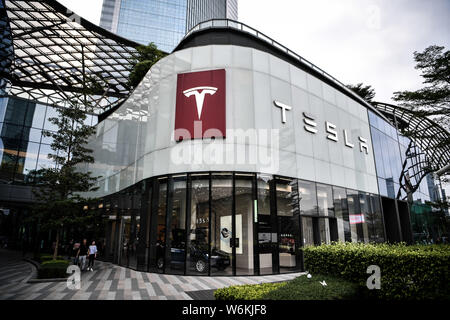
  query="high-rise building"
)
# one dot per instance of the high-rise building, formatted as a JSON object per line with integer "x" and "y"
{"x": 164, "y": 22}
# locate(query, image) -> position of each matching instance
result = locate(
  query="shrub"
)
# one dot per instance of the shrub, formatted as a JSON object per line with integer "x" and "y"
{"x": 407, "y": 272}
{"x": 53, "y": 269}
{"x": 48, "y": 257}
{"x": 301, "y": 288}
{"x": 247, "y": 292}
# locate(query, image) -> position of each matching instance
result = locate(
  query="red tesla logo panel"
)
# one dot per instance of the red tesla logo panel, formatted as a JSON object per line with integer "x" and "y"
{"x": 200, "y": 106}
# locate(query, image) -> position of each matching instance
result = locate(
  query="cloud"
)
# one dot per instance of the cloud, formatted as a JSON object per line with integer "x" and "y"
{"x": 370, "y": 41}
{"x": 355, "y": 40}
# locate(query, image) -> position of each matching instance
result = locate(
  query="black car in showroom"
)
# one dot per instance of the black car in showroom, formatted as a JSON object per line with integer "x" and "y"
{"x": 198, "y": 255}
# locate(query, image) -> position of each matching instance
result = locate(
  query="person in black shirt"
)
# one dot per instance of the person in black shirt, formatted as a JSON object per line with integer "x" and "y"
{"x": 82, "y": 253}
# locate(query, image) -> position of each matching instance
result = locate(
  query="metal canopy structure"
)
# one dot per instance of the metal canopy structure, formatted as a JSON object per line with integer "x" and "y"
{"x": 429, "y": 136}
{"x": 51, "y": 55}
{"x": 429, "y": 150}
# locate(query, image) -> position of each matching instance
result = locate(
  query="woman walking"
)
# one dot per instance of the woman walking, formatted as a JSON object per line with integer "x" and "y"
{"x": 92, "y": 255}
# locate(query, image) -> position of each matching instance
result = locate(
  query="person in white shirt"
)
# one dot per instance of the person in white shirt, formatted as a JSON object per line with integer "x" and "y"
{"x": 92, "y": 255}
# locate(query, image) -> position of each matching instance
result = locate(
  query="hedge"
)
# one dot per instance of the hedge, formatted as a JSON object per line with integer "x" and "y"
{"x": 407, "y": 272}
{"x": 247, "y": 291}
{"x": 301, "y": 288}
{"x": 53, "y": 269}
{"x": 48, "y": 257}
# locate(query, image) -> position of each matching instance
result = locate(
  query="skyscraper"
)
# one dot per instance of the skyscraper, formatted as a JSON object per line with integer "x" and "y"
{"x": 163, "y": 22}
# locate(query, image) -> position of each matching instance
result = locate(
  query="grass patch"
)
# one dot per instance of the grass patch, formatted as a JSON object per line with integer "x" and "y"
{"x": 301, "y": 288}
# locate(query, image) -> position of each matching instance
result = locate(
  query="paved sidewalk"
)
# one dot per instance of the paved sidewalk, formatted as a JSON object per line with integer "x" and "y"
{"x": 13, "y": 269}
{"x": 112, "y": 282}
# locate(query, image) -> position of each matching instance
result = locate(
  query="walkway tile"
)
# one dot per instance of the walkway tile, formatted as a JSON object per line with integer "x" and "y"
{"x": 112, "y": 282}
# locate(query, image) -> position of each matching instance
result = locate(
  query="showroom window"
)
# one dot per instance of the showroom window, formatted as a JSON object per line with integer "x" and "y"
{"x": 221, "y": 228}
{"x": 341, "y": 213}
{"x": 198, "y": 233}
{"x": 243, "y": 231}
{"x": 265, "y": 227}
{"x": 176, "y": 231}
{"x": 307, "y": 198}
{"x": 218, "y": 223}
{"x": 288, "y": 225}
{"x": 375, "y": 220}
{"x": 308, "y": 232}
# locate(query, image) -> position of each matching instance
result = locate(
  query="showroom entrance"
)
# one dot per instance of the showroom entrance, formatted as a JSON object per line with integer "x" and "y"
{"x": 221, "y": 224}
{"x": 233, "y": 223}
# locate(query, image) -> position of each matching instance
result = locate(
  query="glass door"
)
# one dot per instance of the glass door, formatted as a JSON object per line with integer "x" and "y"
{"x": 267, "y": 233}
{"x": 243, "y": 224}
{"x": 197, "y": 247}
{"x": 125, "y": 245}
{"x": 221, "y": 224}
{"x": 288, "y": 217}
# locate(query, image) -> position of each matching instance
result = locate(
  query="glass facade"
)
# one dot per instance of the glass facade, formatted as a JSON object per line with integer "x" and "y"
{"x": 202, "y": 10}
{"x": 23, "y": 148}
{"x": 389, "y": 150}
{"x": 161, "y": 22}
{"x": 164, "y": 22}
{"x": 219, "y": 223}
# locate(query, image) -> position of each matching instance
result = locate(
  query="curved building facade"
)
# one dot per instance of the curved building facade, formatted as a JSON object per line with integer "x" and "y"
{"x": 234, "y": 153}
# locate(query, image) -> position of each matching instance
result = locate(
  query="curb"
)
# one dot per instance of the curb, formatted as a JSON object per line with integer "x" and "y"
{"x": 34, "y": 272}
{"x": 34, "y": 263}
{"x": 35, "y": 280}
{"x": 47, "y": 280}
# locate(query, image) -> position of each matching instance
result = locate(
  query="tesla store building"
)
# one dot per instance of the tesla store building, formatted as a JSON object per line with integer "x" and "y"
{"x": 234, "y": 153}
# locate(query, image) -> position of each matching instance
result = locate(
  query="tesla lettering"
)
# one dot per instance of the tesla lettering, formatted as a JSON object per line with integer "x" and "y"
{"x": 283, "y": 110}
{"x": 310, "y": 125}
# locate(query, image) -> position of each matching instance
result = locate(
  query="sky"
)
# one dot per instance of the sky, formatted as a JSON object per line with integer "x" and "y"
{"x": 368, "y": 41}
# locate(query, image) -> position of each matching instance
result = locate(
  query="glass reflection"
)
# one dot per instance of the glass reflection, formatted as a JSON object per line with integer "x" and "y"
{"x": 9, "y": 155}
{"x": 307, "y": 229}
{"x": 341, "y": 212}
{"x": 161, "y": 227}
{"x": 265, "y": 228}
{"x": 288, "y": 225}
{"x": 197, "y": 246}
{"x": 52, "y": 112}
{"x": 243, "y": 234}
{"x": 221, "y": 229}
{"x": 38, "y": 116}
{"x": 364, "y": 203}
{"x": 27, "y": 161}
{"x": 177, "y": 231}
{"x": 44, "y": 161}
{"x": 324, "y": 229}
{"x": 325, "y": 200}
{"x": 307, "y": 198}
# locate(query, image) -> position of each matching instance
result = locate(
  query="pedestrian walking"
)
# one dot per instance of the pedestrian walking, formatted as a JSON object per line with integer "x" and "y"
{"x": 81, "y": 255}
{"x": 74, "y": 253}
{"x": 92, "y": 255}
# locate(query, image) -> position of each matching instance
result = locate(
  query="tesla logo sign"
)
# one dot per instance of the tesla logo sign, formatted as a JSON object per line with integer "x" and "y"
{"x": 200, "y": 106}
{"x": 199, "y": 94}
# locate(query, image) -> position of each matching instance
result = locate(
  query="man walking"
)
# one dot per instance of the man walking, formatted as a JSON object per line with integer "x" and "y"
{"x": 82, "y": 253}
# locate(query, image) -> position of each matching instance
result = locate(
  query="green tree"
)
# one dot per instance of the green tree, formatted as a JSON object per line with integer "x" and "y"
{"x": 365, "y": 92}
{"x": 433, "y": 100}
{"x": 59, "y": 187}
{"x": 146, "y": 57}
